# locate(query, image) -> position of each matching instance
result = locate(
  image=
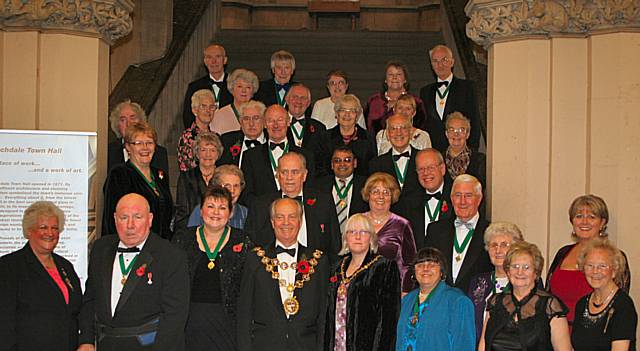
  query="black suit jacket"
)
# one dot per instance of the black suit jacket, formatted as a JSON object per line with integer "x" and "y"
{"x": 357, "y": 204}
{"x": 262, "y": 322}
{"x": 33, "y": 314}
{"x": 364, "y": 148}
{"x": 258, "y": 174}
{"x": 384, "y": 163}
{"x": 189, "y": 192}
{"x": 312, "y": 138}
{"x": 267, "y": 92}
{"x": 462, "y": 98}
{"x": 441, "y": 235}
{"x": 166, "y": 298}
{"x": 323, "y": 230}
{"x": 230, "y": 140}
{"x": 116, "y": 157}
{"x": 413, "y": 210}
{"x": 203, "y": 83}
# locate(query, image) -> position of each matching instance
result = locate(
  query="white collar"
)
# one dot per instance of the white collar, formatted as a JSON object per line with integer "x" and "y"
{"x": 474, "y": 219}
{"x": 395, "y": 152}
{"x": 260, "y": 138}
{"x": 140, "y": 246}
{"x": 448, "y": 79}
{"x": 346, "y": 180}
{"x": 439, "y": 189}
{"x": 294, "y": 246}
{"x": 218, "y": 80}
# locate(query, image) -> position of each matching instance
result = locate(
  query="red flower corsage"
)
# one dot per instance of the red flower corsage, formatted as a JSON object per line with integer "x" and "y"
{"x": 237, "y": 248}
{"x": 311, "y": 201}
{"x": 303, "y": 267}
{"x": 235, "y": 150}
{"x": 160, "y": 174}
{"x": 333, "y": 279}
{"x": 141, "y": 270}
{"x": 444, "y": 207}
{"x": 322, "y": 227}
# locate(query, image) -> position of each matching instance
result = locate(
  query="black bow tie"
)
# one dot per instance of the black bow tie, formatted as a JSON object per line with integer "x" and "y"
{"x": 251, "y": 143}
{"x": 298, "y": 120}
{"x": 437, "y": 195}
{"x": 128, "y": 249}
{"x": 273, "y": 145}
{"x": 398, "y": 156}
{"x": 291, "y": 252}
{"x": 299, "y": 198}
{"x": 218, "y": 84}
{"x": 445, "y": 83}
{"x": 284, "y": 86}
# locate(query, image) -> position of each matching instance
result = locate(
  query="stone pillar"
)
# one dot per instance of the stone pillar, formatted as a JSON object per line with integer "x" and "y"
{"x": 563, "y": 102}
{"x": 54, "y": 68}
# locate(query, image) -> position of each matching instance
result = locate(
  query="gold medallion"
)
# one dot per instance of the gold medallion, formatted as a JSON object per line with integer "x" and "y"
{"x": 414, "y": 319}
{"x": 123, "y": 280}
{"x": 210, "y": 265}
{"x": 342, "y": 291}
{"x": 291, "y": 305}
{"x": 290, "y": 288}
{"x": 458, "y": 258}
{"x": 342, "y": 204}
{"x": 441, "y": 103}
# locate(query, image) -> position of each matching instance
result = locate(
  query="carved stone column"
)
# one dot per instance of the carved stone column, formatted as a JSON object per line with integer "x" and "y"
{"x": 563, "y": 102}
{"x": 54, "y": 67}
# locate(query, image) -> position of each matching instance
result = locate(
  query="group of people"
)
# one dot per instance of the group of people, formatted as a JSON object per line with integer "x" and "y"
{"x": 292, "y": 233}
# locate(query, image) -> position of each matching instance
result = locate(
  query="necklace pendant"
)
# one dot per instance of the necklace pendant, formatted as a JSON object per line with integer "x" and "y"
{"x": 291, "y": 305}
{"x": 414, "y": 320}
{"x": 441, "y": 103}
{"x": 342, "y": 291}
{"x": 299, "y": 143}
{"x": 211, "y": 265}
{"x": 123, "y": 280}
{"x": 458, "y": 258}
{"x": 342, "y": 204}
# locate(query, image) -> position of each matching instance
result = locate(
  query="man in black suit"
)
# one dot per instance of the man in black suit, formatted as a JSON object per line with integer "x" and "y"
{"x": 461, "y": 238}
{"x": 120, "y": 117}
{"x": 319, "y": 227}
{"x": 137, "y": 292}
{"x": 449, "y": 94}
{"x": 250, "y": 135}
{"x": 400, "y": 161}
{"x": 344, "y": 185}
{"x": 305, "y": 132}
{"x": 261, "y": 162}
{"x": 273, "y": 91}
{"x": 425, "y": 208}
{"x": 281, "y": 308}
{"x": 215, "y": 58}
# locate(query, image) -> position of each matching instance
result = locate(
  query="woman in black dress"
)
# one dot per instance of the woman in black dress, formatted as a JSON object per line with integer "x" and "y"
{"x": 216, "y": 254}
{"x": 138, "y": 176}
{"x": 606, "y": 318}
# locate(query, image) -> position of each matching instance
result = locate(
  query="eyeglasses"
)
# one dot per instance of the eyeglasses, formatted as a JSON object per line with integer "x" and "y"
{"x": 378, "y": 192}
{"x": 139, "y": 143}
{"x": 429, "y": 169}
{"x": 592, "y": 267}
{"x": 442, "y": 61}
{"x": 427, "y": 265}
{"x": 461, "y": 130}
{"x": 517, "y": 267}
{"x": 495, "y": 246}
{"x": 334, "y": 83}
{"x": 254, "y": 118}
{"x": 398, "y": 128}
{"x": 341, "y": 160}
{"x": 358, "y": 232}
{"x": 207, "y": 107}
{"x": 348, "y": 110}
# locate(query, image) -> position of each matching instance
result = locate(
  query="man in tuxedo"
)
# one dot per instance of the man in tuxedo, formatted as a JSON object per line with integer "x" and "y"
{"x": 319, "y": 227}
{"x": 215, "y": 58}
{"x": 280, "y": 307}
{"x": 121, "y": 116}
{"x": 260, "y": 164}
{"x": 273, "y": 91}
{"x": 250, "y": 135}
{"x": 425, "y": 208}
{"x": 137, "y": 292}
{"x": 449, "y": 94}
{"x": 344, "y": 185}
{"x": 461, "y": 237}
{"x": 305, "y": 131}
{"x": 400, "y": 161}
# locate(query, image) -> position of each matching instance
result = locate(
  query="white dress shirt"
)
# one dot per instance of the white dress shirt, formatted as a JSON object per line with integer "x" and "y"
{"x": 287, "y": 276}
{"x": 461, "y": 233}
{"x": 116, "y": 276}
{"x": 402, "y": 163}
{"x": 440, "y": 106}
{"x": 433, "y": 204}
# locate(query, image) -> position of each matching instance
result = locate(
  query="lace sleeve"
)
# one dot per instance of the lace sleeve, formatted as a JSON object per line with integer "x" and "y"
{"x": 491, "y": 303}
{"x": 555, "y": 308}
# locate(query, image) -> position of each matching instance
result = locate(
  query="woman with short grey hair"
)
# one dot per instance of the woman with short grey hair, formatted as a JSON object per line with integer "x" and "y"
{"x": 242, "y": 85}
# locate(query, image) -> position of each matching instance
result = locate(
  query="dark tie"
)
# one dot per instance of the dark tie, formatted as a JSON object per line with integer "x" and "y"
{"x": 251, "y": 143}
{"x": 128, "y": 249}
{"x": 445, "y": 83}
{"x": 437, "y": 195}
{"x": 291, "y": 252}
{"x": 404, "y": 154}
{"x": 341, "y": 206}
{"x": 284, "y": 86}
{"x": 299, "y": 198}
{"x": 213, "y": 82}
{"x": 298, "y": 120}
{"x": 273, "y": 145}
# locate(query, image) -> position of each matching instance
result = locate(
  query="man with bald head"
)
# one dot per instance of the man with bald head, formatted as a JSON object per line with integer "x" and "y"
{"x": 261, "y": 162}
{"x": 283, "y": 291}
{"x": 215, "y": 59}
{"x": 461, "y": 237}
{"x": 137, "y": 291}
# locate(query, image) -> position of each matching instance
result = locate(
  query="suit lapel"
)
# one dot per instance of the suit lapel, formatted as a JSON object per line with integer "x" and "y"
{"x": 274, "y": 283}
{"x": 431, "y": 103}
{"x": 106, "y": 274}
{"x": 144, "y": 258}
{"x": 451, "y": 97}
{"x": 451, "y": 228}
{"x": 37, "y": 267}
{"x": 475, "y": 249}
{"x": 267, "y": 161}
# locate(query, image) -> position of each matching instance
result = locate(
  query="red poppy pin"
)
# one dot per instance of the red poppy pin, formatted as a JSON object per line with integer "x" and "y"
{"x": 235, "y": 150}
{"x": 333, "y": 279}
{"x": 312, "y": 128}
{"x": 444, "y": 207}
{"x": 237, "y": 248}
{"x": 311, "y": 201}
{"x": 160, "y": 174}
{"x": 141, "y": 270}
{"x": 322, "y": 227}
{"x": 303, "y": 267}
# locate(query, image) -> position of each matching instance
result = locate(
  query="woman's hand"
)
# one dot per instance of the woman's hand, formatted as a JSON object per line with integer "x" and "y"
{"x": 560, "y": 338}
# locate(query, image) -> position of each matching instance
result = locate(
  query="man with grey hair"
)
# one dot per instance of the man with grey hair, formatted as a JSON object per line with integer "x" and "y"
{"x": 448, "y": 94}
{"x": 319, "y": 226}
{"x": 215, "y": 59}
{"x": 283, "y": 291}
{"x": 250, "y": 135}
{"x": 273, "y": 91}
{"x": 460, "y": 238}
{"x": 120, "y": 117}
